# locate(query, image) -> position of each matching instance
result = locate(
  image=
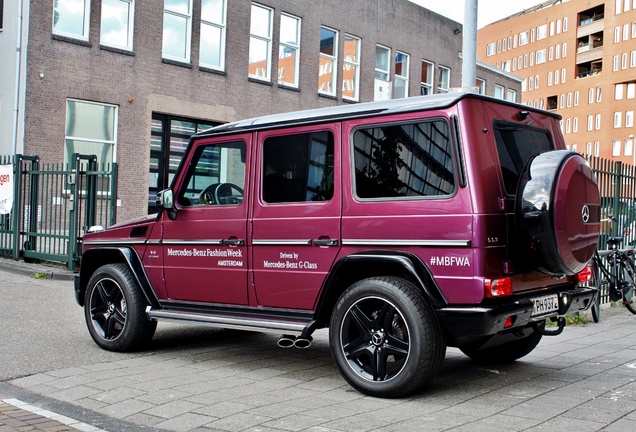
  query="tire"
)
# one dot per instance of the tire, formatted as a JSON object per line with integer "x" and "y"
{"x": 629, "y": 279}
{"x": 557, "y": 213}
{"x": 596, "y": 304}
{"x": 385, "y": 338}
{"x": 507, "y": 352}
{"x": 114, "y": 310}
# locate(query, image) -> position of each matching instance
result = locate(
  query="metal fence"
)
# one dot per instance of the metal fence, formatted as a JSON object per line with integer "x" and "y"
{"x": 54, "y": 204}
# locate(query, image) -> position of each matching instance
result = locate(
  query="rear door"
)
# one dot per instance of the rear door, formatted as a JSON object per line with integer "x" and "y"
{"x": 205, "y": 246}
{"x": 296, "y": 218}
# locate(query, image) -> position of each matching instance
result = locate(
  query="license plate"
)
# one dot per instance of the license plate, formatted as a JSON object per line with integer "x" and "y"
{"x": 545, "y": 304}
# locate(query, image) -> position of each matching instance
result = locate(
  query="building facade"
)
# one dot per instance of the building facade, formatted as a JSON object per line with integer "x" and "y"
{"x": 577, "y": 58}
{"x": 131, "y": 80}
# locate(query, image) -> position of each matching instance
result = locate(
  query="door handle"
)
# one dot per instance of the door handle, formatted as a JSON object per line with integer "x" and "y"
{"x": 325, "y": 242}
{"x": 234, "y": 242}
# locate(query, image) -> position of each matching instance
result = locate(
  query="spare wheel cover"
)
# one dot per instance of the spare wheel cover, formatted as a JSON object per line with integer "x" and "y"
{"x": 558, "y": 207}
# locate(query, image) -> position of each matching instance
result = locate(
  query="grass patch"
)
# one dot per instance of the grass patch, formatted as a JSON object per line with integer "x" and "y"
{"x": 571, "y": 320}
{"x": 41, "y": 275}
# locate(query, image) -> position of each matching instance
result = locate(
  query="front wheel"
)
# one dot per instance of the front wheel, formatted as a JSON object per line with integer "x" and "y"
{"x": 596, "y": 304}
{"x": 114, "y": 309}
{"x": 628, "y": 281}
{"x": 385, "y": 338}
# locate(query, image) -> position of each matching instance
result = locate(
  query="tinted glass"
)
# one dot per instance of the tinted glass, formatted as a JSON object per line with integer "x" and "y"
{"x": 298, "y": 168}
{"x": 516, "y": 145}
{"x": 404, "y": 160}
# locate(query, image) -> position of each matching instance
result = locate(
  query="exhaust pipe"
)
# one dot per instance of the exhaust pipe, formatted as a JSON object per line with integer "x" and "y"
{"x": 286, "y": 341}
{"x": 303, "y": 342}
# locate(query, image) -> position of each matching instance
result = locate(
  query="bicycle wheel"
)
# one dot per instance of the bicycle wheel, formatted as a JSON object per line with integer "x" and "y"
{"x": 628, "y": 280}
{"x": 596, "y": 304}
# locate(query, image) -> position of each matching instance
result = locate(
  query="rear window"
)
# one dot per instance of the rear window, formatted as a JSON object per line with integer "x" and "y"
{"x": 516, "y": 145}
{"x": 404, "y": 160}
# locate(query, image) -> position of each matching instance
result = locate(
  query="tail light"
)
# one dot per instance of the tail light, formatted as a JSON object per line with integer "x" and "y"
{"x": 585, "y": 275}
{"x": 498, "y": 287}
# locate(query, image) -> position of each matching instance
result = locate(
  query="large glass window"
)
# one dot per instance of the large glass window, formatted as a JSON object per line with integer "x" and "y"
{"x": 401, "y": 85}
{"x": 382, "y": 90}
{"x": 71, "y": 18}
{"x": 426, "y": 86}
{"x": 212, "y": 45}
{"x": 118, "y": 17}
{"x": 169, "y": 137}
{"x": 177, "y": 30}
{"x": 91, "y": 128}
{"x": 328, "y": 56}
{"x": 260, "y": 54}
{"x": 289, "y": 50}
{"x": 216, "y": 176}
{"x": 443, "y": 81}
{"x": 351, "y": 68}
{"x": 298, "y": 168}
{"x": 404, "y": 161}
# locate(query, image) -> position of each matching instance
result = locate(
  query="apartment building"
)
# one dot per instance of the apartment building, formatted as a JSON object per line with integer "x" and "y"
{"x": 131, "y": 80}
{"x": 578, "y": 58}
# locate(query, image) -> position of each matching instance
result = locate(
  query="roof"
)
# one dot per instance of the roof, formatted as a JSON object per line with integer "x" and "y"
{"x": 344, "y": 112}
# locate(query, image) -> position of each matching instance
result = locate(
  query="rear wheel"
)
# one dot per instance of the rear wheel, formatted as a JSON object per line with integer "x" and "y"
{"x": 507, "y": 352}
{"x": 596, "y": 304}
{"x": 114, "y": 309}
{"x": 385, "y": 338}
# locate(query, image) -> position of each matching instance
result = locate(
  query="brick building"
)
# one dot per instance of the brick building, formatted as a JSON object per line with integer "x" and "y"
{"x": 577, "y": 58}
{"x": 131, "y": 80}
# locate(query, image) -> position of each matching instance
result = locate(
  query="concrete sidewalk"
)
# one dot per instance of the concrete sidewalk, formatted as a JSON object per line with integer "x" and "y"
{"x": 200, "y": 379}
{"x": 215, "y": 380}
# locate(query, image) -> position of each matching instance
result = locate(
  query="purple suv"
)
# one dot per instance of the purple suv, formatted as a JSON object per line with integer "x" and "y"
{"x": 404, "y": 226}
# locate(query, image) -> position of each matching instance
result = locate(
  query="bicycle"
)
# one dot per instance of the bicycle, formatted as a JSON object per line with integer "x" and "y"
{"x": 619, "y": 272}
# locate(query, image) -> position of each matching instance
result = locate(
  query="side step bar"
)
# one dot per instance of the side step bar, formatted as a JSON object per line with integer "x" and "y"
{"x": 224, "y": 321}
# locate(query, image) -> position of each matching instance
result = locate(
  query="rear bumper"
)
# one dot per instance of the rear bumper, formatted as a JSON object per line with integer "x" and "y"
{"x": 466, "y": 323}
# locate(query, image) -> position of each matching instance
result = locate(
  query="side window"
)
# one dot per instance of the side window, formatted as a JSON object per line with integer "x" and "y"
{"x": 216, "y": 176}
{"x": 404, "y": 160}
{"x": 298, "y": 168}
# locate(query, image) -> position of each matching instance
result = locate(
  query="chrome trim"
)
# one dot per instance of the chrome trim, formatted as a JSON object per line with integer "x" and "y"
{"x": 213, "y": 242}
{"x": 223, "y": 321}
{"x": 125, "y": 241}
{"x": 154, "y": 242}
{"x": 274, "y": 242}
{"x": 449, "y": 243}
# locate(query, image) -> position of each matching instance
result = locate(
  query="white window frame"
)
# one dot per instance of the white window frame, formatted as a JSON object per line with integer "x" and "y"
{"x": 426, "y": 87}
{"x": 265, "y": 73}
{"x": 575, "y": 125}
{"x": 188, "y": 36}
{"x": 565, "y": 24}
{"x": 629, "y": 119}
{"x": 511, "y": 95}
{"x": 590, "y": 122}
{"x": 632, "y": 59}
{"x": 631, "y": 90}
{"x": 499, "y": 91}
{"x": 84, "y": 36}
{"x": 597, "y": 148}
{"x": 523, "y": 38}
{"x": 331, "y": 59}
{"x": 616, "y": 148}
{"x": 624, "y": 61}
{"x": 576, "y": 98}
{"x": 617, "y": 34}
{"x": 443, "y": 87}
{"x": 481, "y": 85}
{"x": 112, "y": 142}
{"x": 381, "y": 73}
{"x": 404, "y": 77}
{"x": 491, "y": 49}
{"x": 597, "y": 122}
{"x": 286, "y": 46}
{"x": 619, "y": 91}
{"x": 130, "y": 28}
{"x": 542, "y": 31}
{"x": 618, "y": 119}
{"x": 541, "y": 56}
{"x": 222, "y": 27}
{"x": 352, "y": 64}
{"x": 629, "y": 147}
{"x": 549, "y": 78}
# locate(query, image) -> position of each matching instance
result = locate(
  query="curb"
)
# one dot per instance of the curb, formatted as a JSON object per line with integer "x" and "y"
{"x": 35, "y": 270}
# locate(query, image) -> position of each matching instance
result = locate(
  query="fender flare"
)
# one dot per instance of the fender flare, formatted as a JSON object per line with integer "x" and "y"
{"x": 409, "y": 262}
{"x": 92, "y": 259}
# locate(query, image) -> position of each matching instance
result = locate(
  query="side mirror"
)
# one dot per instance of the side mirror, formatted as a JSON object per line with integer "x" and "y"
{"x": 165, "y": 200}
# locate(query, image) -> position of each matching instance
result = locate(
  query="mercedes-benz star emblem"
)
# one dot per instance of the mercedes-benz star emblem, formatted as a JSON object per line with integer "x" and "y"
{"x": 585, "y": 213}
